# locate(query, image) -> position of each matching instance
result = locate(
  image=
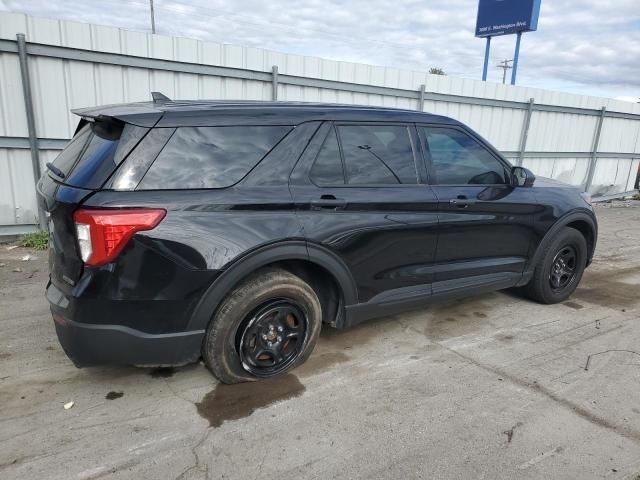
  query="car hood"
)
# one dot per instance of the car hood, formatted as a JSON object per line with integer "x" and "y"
{"x": 550, "y": 182}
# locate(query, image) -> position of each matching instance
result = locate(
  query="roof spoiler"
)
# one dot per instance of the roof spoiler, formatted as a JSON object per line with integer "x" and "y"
{"x": 159, "y": 97}
{"x": 104, "y": 120}
{"x": 140, "y": 114}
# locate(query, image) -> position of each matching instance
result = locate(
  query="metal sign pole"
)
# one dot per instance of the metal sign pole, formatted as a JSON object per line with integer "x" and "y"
{"x": 515, "y": 59}
{"x": 486, "y": 59}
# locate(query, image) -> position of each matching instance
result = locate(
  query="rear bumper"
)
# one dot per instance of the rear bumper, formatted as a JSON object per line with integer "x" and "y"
{"x": 96, "y": 344}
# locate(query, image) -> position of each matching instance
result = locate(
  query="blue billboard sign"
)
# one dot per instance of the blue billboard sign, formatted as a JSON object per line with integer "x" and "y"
{"x": 503, "y": 17}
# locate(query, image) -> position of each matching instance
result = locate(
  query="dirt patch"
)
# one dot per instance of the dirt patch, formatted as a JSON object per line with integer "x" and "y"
{"x": 606, "y": 288}
{"x": 574, "y": 305}
{"x": 504, "y": 337}
{"x": 372, "y": 330}
{"x": 233, "y": 402}
{"x": 113, "y": 395}
{"x": 318, "y": 363}
{"x": 4, "y": 355}
{"x": 463, "y": 317}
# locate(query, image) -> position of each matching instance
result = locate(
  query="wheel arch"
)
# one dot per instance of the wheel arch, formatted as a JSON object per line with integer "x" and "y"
{"x": 292, "y": 255}
{"x": 581, "y": 220}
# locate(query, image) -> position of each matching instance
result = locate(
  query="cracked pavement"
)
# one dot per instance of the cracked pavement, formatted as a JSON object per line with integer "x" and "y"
{"x": 492, "y": 386}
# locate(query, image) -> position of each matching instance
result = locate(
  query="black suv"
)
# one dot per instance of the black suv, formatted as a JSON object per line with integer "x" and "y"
{"x": 232, "y": 231}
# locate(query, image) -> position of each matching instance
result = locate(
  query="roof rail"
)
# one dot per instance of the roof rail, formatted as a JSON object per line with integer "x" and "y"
{"x": 159, "y": 97}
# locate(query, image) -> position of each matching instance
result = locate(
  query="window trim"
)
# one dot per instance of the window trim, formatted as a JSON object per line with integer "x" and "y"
{"x": 317, "y": 154}
{"x": 426, "y": 152}
{"x": 412, "y": 141}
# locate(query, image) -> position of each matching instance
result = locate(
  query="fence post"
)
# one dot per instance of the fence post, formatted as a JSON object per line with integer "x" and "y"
{"x": 421, "y": 99}
{"x": 31, "y": 123}
{"x": 524, "y": 135}
{"x": 274, "y": 83}
{"x": 594, "y": 149}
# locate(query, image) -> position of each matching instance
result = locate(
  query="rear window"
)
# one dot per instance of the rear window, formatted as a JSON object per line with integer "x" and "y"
{"x": 210, "y": 157}
{"x": 94, "y": 153}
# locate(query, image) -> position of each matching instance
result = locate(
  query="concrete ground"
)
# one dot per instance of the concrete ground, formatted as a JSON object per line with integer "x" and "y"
{"x": 492, "y": 387}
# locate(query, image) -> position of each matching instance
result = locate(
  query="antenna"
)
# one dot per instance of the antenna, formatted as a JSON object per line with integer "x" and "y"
{"x": 159, "y": 97}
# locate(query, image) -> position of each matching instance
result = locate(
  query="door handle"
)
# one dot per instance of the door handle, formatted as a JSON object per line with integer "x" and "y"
{"x": 328, "y": 202}
{"x": 460, "y": 202}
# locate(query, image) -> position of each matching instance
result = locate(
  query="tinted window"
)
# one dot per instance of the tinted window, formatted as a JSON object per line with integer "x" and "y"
{"x": 95, "y": 163}
{"x": 137, "y": 163}
{"x": 130, "y": 137}
{"x": 95, "y": 152}
{"x": 327, "y": 169}
{"x": 67, "y": 158}
{"x": 377, "y": 154}
{"x": 457, "y": 159}
{"x": 210, "y": 157}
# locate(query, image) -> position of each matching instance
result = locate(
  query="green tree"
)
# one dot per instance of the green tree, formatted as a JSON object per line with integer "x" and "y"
{"x": 436, "y": 71}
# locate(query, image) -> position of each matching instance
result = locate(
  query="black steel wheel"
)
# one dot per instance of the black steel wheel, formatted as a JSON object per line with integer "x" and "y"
{"x": 272, "y": 338}
{"x": 559, "y": 267}
{"x": 563, "y": 268}
{"x": 266, "y": 326}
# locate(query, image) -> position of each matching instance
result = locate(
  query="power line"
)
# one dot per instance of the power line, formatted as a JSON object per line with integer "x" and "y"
{"x": 504, "y": 65}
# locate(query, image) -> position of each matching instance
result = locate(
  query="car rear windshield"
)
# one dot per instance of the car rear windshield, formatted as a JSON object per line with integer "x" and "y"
{"x": 210, "y": 157}
{"x": 94, "y": 153}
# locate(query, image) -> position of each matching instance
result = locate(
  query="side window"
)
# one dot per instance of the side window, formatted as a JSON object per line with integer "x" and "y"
{"x": 137, "y": 163}
{"x": 457, "y": 159}
{"x": 210, "y": 157}
{"x": 377, "y": 154}
{"x": 327, "y": 169}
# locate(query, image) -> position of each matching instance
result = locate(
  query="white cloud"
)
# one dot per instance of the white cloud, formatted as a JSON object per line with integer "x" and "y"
{"x": 589, "y": 46}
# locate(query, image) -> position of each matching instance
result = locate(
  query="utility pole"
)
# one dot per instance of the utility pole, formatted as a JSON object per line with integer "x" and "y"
{"x": 153, "y": 18}
{"x": 504, "y": 65}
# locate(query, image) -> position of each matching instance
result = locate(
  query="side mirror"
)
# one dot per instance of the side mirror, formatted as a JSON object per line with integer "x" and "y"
{"x": 522, "y": 177}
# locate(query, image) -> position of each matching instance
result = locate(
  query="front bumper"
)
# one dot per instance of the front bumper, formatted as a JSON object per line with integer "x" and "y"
{"x": 96, "y": 344}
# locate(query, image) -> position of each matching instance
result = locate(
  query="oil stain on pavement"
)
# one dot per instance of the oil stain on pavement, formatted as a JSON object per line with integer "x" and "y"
{"x": 607, "y": 288}
{"x": 233, "y": 402}
{"x": 162, "y": 372}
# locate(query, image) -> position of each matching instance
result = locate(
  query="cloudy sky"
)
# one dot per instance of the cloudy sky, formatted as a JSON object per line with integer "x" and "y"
{"x": 581, "y": 46}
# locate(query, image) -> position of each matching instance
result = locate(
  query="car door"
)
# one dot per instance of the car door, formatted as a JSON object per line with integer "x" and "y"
{"x": 485, "y": 223}
{"x": 358, "y": 193}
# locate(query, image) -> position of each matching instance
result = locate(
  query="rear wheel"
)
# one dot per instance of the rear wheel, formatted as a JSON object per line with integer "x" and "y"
{"x": 266, "y": 326}
{"x": 560, "y": 268}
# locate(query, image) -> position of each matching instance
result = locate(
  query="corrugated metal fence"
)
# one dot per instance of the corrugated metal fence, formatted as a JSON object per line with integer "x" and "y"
{"x": 588, "y": 141}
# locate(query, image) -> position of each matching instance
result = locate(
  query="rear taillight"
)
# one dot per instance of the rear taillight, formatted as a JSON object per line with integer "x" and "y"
{"x": 102, "y": 234}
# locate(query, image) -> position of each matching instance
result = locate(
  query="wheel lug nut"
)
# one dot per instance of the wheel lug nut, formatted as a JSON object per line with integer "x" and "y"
{"x": 264, "y": 337}
{"x": 270, "y": 327}
{"x": 279, "y": 338}
{"x": 280, "y": 328}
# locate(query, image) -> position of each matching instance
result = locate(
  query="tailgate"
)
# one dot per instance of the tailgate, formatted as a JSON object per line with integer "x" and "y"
{"x": 83, "y": 167}
{"x": 59, "y": 202}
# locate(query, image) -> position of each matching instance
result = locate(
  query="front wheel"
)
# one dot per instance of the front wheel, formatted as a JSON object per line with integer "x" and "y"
{"x": 266, "y": 326}
{"x": 559, "y": 269}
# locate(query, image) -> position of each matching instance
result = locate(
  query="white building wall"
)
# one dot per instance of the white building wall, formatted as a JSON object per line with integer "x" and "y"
{"x": 60, "y": 85}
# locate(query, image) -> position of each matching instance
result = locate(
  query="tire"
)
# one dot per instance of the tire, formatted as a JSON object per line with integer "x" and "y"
{"x": 263, "y": 314}
{"x": 544, "y": 286}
